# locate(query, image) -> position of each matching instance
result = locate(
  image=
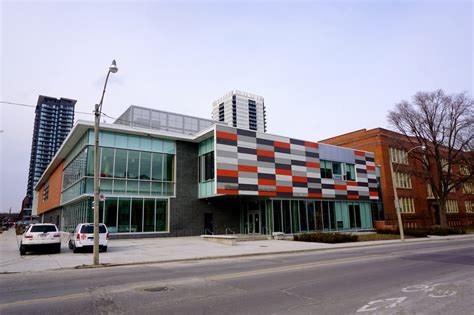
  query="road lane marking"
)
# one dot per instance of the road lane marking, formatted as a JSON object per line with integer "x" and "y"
{"x": 366, "y": 308}
{"x": 257, "y": 272}
{"x": 45, "y": 299}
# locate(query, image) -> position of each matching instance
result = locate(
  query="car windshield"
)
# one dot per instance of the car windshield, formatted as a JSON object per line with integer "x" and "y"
{"x": 89, "y": 229}
{"x": 43, "y": 228}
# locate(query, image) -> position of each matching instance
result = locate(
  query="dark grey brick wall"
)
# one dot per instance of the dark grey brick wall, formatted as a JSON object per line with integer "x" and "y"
{"x": 186, "y": 210}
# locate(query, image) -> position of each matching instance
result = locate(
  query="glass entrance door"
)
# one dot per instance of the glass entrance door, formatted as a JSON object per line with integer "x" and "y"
{"x": 253, "y": 220}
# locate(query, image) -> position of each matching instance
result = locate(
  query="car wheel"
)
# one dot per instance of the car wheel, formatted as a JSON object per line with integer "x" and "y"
{"x": 22, "y": 250}
{"x": 70, "y": 244}
{"x": 75, "y": 249}
{"x": 104, "y": 249}
{"x": 58, "y": 248}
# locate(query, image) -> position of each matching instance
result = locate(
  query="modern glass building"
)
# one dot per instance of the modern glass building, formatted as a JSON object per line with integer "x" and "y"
{"x": 218, "y": 180}
{"x": 54, "y": 119}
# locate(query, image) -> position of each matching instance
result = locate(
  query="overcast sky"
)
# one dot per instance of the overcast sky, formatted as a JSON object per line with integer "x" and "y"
{"x": 323, "y": 67}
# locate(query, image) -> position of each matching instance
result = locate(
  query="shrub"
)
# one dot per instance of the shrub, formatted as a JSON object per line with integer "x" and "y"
{"x": 438, "y": 230}
{"x": 331, "y": 238}
{"x": 416, "y": 232}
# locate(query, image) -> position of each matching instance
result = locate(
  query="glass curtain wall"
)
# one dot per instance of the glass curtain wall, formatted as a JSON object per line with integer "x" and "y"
{"x": 299, "y": 216}
{"x": 121, "y": 214}
{"x": 129, "y": 165}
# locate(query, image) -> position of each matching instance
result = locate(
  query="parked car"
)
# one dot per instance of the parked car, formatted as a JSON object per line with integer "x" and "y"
{"x": 39, "y": 236}
{"x": 83, "y": 237}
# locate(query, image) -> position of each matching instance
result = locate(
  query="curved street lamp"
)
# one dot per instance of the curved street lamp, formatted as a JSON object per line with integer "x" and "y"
{"x": 97, "y": 112}
{"x": 395, "y": 194}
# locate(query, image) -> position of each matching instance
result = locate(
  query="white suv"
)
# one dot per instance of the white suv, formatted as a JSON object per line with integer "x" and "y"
{"x": 40, "y": 235}
{"x": 83, "y": 237}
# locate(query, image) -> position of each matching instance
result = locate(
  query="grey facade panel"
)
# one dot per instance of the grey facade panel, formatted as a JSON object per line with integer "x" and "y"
{"x": 338, "y": 154}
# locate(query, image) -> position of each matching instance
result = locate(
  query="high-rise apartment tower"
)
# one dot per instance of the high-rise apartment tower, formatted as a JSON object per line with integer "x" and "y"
{"x": 54, "y": 119}
{"x": 241, "y": 110}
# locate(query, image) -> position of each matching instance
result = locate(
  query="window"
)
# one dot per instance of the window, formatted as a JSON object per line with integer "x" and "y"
{"x": 206, "y": 167}
{"x": 46, "y": 191}
{"x": 452, "y": 206}
{"x": 398, "y": 156}
{"x": 168, "y": 168}
{"x": 469, "y": 206}
{"x": 107, "y": 163}
{"x": 326, "y": 169}
{"x": 429, "y": 191}
{"x": 350, "y": 172}
{"x": 120, "y": 163}
{"x": 445, "y": 165}
{"x": 464, "y": 170}
{"x": 145, "y": 165}
{"x": 133, "y": 163}
{"x": 337, "y": 170}
{"x": 407, "y": 205}
{"x": 468, "y": 188}
{"x": 403, "y": 180}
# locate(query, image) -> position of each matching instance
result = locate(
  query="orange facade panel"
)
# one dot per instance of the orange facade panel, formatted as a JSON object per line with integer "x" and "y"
{"x": 49, "y": 194}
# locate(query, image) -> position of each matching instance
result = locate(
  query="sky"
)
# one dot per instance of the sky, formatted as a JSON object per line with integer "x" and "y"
{"x": 324, "y": 67}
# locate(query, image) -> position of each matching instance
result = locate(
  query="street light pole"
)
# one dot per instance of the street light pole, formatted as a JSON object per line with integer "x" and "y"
{"x": 395, "y": 194}
{"x": 97, "y": 112}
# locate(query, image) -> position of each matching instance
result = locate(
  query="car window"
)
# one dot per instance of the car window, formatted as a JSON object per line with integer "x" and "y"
{"x": 89, "y": 229}
{"x": 43, "y": 228}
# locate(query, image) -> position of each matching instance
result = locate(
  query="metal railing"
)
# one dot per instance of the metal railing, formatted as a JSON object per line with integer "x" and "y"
{"x": 206, "y": 232}
{"x": 227, "y": 230}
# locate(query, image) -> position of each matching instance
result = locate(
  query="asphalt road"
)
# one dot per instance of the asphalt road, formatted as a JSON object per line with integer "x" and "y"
{"x": 421, "y": 278}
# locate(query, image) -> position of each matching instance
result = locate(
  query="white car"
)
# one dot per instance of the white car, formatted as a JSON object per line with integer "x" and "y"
{"x": 40, "y": 235}
{"x": 83, "y": 237}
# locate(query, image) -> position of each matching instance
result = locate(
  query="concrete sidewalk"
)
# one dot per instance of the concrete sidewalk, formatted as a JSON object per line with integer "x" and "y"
{"x": 141, "y": 251}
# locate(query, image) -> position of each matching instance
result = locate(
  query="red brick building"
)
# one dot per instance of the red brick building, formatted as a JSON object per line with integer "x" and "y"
{"x": 418, "y": 206}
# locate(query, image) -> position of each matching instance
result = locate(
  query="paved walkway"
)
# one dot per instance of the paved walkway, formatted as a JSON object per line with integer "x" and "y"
{"x": 134, "y": 251}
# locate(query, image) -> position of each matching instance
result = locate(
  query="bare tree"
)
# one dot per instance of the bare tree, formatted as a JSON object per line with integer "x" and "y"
{"x": 444, "y": 124}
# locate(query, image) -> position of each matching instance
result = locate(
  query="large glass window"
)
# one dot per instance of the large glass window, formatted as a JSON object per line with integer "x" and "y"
{"x": 161, "y": 215}
{"x": 111, "y": 215}
{"x": 169, "y": 168}
{"x": 286, "y": 216}
{"x": 107, "y": 163}
{"x": 124, "y": 215}
{"x": 206, "y": 167}
{"x": 303, "y": 216}
{"x": 133, "y": 164}
{"x": 157, "y": 166}
{"x": 149, "y": 215}
{"x": 120, "y": 163}
{"x": 90, "y": 161}
{"x": 277, "y": 226}
{"x": 319, "y": 215}
{"x": 311, "y": 216}
{"x": 145, "y": 165}
{"x": 137, "y": 215}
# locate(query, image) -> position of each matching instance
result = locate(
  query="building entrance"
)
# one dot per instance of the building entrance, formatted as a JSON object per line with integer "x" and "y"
{"x": 253, "y": 220}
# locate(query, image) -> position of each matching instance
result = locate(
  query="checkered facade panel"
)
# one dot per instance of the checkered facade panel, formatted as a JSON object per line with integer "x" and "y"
{"x": 260, "y": 164}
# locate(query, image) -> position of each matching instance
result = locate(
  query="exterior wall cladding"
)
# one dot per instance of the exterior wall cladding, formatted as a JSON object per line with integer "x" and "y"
{"x": 186, "y": 210}
{"x": 251, "y": 163}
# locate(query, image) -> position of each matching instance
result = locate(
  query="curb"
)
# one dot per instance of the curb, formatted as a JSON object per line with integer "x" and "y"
{"x": 396, "y": 242}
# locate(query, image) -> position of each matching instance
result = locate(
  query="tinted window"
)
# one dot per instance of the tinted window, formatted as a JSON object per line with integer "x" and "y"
{"x": 43, "y": 228}
{"x": 89, "y": 229}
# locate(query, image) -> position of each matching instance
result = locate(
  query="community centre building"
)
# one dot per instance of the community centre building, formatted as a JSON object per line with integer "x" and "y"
{"x": 166, "y": 174}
